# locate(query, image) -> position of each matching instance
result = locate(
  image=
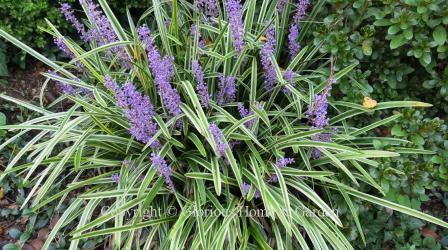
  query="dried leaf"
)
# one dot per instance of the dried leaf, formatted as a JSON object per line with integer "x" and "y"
{"x": 369, "y": 102}
{"x": 429, "y": 233}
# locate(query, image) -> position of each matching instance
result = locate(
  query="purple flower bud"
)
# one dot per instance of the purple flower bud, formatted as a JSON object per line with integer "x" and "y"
{"x": 281, "y": 5}
{"x": 323, "y": 137}
{"x": 267, "y": 51}
{"x": 163, "y": 71}
{"x": 281, "y": 163}
{"x": 227, "y": 89}
{"x": 194, "y": 31}
{"x": 199, "y": 4}
{"x": 201, "y": 86}
{"x": 102, "y": 31}
{"x": 126, "y": 163}
{"x": 317, "y": 113}
{"x": 138, "y": 110}
{"x": 235, "y": 15}
{"x": 294, "y": 46}
{"x": 115, "y": 178}
{"x": 67, "y": 11}
{"x": 218, "y": 137}
{"x": 244, "y": 113}
{"x": 289, "y": 77}
{"x": 67, "y": 88}
{"x": 301, "y": 7}
{"x": 246, "y": 189}
{"x": 163, "y": 170}
{"x": 212, "y": 8}
{"x": 59, "y": 42}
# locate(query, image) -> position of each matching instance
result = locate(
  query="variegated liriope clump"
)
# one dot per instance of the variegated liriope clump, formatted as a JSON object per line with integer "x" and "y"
{"x": 200, "y": 125}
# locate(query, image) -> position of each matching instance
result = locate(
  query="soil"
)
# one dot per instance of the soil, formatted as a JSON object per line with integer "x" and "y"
{"x": 26, "y": 84}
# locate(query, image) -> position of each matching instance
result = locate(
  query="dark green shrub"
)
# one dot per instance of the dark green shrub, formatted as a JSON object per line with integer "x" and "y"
{"x": 23, "y": 19}
{"x": 395, "y": 65}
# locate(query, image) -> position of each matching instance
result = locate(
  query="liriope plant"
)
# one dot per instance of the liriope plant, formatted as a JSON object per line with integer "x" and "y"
{"x": 212, "y": 114}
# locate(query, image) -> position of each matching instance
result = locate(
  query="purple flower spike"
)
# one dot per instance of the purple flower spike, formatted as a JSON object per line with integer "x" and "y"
{"x": 294, "y": 46}
{"x": 244, "y": 113}
{"x": 199, "y": 4}
{"x": 67, "y": 88}
{"x": 246, "y": 189}
{"x": 294, "y": 30}
{"x": 227, "y": 89}
{"x": 163, "y": 170}
{"x": 163, "y": 71}
{"x": 138, "y": 110}
{"x": 218, "y": 138}
{"x": 194, "y": 31}
{"x": 267, "y": 51}
{"x": 201, "y": 86}
{"x": 300, "y": 14}
{"x": 323, "y": 137}
{"x": 317, "y": 113}
{"x": 67, "y": 11}
{"x": 115, "y": 178}
{"x": 235, "y": 15}
{"x": 103, "y": 31}
{"x": 281, "y": 163}
{"x": 110, "y": 83}
{"x": 281, "y": 5}
{"x": 289, "y": 77}
{"x": 212, "y": 8}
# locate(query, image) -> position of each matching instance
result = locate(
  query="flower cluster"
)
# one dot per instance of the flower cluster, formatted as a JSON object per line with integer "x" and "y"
{"x": 227, "y": 89}
{"x": 281, "y": 4}
{"x": 244, "y": 113}
{"x": 101, "y": 32}
{"x": 323, "y": 137}
{"x": 317, "y": 110}
{"x": 267, "y": 51}
{"x": 138, "y": 110}
{"x": 289, "y": 77}
{"x": 212, "y": 8}
{"x": 201, "y": 86}
{"x": 59, "y": 42}
{"x": 317, "y": 113}
{"x": 294, "y": 30}
{"x": 69, "y": 89}
{"x": 163, "y": 170}
{"x": 281, "y": 163}
{"x": 246, "y": 189}
{"x": 115, "y": 178}
{"x": 162, "y": 70}
{"x": 67, "y": 11}
{"x": 235, "y": 15}
{"x": 194, "y": 31}
{"x": 218, "y": 138}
